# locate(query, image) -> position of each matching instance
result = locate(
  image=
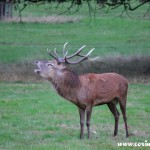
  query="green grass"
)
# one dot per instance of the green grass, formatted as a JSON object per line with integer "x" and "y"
{"x": 109, "y": 34}
{"x": 33, "y": 116}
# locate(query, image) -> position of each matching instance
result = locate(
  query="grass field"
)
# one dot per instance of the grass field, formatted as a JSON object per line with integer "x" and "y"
{"x": 33, "y": 116}
{"x": 107, "y": 32}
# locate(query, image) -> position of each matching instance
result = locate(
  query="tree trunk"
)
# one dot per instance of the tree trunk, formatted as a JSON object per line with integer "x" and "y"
{"x": 5, "y": 9}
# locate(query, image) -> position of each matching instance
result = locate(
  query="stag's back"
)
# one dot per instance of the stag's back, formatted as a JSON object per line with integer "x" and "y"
{"x": 103, "y": 87}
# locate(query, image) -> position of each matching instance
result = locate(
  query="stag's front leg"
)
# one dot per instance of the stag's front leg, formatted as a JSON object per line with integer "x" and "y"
{"x": 82, "y": 119}
{"x": 88, "y": 117}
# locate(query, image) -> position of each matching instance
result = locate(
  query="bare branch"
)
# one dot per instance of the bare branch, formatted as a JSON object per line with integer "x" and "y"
{"x": 127, "y": 5}
{"x": 113, "y": 4}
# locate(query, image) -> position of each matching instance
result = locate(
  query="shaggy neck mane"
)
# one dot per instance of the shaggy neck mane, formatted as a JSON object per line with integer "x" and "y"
{"x": 70, "y": 78}
{"x": 65, "y": 82}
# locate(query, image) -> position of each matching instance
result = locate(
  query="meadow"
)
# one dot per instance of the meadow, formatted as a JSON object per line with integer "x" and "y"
{"x": 107, "y": 32}
{"x": 32, "y": 115}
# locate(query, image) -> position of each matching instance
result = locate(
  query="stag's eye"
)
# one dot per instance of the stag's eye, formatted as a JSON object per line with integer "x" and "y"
{"x": 49, "y": 64}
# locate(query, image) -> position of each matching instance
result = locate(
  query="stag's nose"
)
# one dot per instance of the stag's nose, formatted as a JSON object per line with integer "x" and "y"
{"x": 36, "y": 62}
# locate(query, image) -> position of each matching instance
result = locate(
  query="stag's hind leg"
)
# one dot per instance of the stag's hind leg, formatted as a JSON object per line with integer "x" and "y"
{"x": 123, "y": 109}
{"x": 116, "y": 114}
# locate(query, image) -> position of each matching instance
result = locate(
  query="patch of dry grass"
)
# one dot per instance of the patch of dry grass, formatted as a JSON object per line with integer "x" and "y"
{"x": 18, "y": 72}
{"x": 45, "y": 19}
{"x": 136, "y": 69}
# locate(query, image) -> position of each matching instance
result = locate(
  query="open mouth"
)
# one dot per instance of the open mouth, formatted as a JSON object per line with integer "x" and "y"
{"x": 38, "y": 70}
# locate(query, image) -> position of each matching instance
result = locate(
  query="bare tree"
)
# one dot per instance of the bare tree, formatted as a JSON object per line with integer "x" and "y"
{"x": 128, "y": 5}
{"x": 5, "y": 9}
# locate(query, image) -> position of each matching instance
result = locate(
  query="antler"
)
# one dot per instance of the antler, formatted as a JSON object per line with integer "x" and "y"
{"x": 66, "y": 58}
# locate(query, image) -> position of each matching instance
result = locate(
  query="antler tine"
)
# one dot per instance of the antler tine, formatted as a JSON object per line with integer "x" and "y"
{"x": 76, "y": 62}
{"x": 64, "y": 49}
{"x": 77, "y": 53}
{"x": 89, "y": 53}
{"x": 55, "y": 51}
{"x": 80, "y": 60}
{"x": 93, "y": 59}
{"x": 49, "y": 52}
{"x": 65, "y": 55}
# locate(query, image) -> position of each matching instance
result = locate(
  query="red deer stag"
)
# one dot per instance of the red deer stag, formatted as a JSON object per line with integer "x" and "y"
{"x": 87, "y": 90}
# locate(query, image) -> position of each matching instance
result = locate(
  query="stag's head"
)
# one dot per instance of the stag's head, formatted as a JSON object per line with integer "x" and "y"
{"x": 49, "y": 69}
